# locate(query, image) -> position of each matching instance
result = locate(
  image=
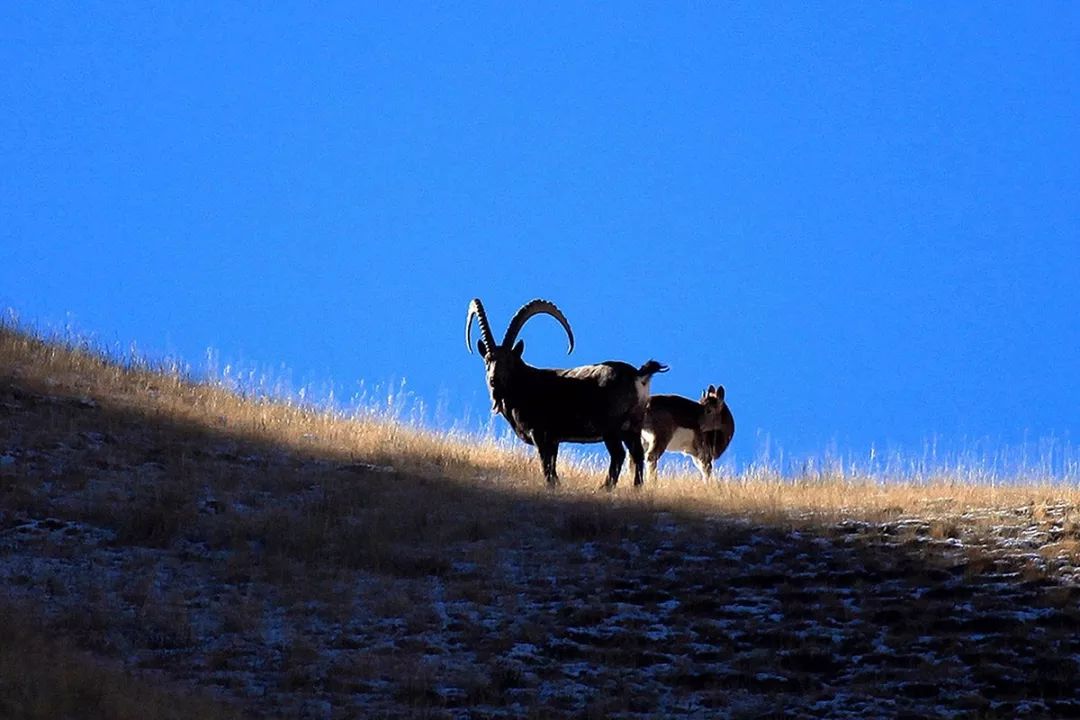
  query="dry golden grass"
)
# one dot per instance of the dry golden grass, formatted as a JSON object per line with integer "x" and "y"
{"x": 163, "y": 393}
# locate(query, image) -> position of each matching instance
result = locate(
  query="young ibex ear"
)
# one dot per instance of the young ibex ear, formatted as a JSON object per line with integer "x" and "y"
{"x": 519, "y": 348}
{"x": 482, "y": 348}
{"x": 711, "y": 390}
{"x": 720, "y": 393}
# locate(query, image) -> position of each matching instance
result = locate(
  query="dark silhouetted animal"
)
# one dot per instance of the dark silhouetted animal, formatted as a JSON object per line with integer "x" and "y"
{"x": 592, "y": 403}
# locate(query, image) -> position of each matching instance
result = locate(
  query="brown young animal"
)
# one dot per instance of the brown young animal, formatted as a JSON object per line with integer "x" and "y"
{"x": 592, "y": 403}
{"x": 702, "y": 430}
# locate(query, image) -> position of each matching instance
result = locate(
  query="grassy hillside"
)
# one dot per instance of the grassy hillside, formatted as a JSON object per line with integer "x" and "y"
{"x": 173, "y": 549}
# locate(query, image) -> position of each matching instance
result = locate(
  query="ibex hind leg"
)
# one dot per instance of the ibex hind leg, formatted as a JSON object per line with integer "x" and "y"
{"x": 637, "y": 456}
{"x": 655, "y": 443}
{"x": 618, "y": 455}
{"x": 549, "y": 454}
{"x": 651, "y": 471}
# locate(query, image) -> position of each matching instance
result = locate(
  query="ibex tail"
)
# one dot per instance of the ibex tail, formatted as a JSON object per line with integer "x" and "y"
{"x": 651, "y": 368}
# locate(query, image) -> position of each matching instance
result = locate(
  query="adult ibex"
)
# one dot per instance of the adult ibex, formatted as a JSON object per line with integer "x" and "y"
{"x": 592, "y": 403}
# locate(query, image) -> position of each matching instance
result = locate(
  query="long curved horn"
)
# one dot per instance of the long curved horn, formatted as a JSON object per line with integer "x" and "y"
{"x": 537, "y": 307}
{"x": 477, "y": 308}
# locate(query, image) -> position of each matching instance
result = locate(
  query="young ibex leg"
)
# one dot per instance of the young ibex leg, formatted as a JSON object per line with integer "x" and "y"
{"x": 614, "y": 446}
{"x": 658, "y": 444}
{"x": 637, "y": 457}
{"x": 704, "y": 466}
{"x": 652, "y": 472}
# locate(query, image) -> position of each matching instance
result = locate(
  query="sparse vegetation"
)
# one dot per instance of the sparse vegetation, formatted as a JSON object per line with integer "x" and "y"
{"x": 45, "y": 676}
{"x": 159, "y": 535}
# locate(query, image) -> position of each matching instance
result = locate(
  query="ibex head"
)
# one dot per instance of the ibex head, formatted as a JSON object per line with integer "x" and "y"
{"x": 501, "y": 361}
{"x": 712, "y": 400}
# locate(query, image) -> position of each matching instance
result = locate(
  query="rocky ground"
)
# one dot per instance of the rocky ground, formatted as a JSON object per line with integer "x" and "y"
{"x": 274, "y": 580}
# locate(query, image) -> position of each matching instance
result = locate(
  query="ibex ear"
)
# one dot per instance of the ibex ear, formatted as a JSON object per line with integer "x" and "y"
{"x": 519, "y": 348}
{"x": 482, "y": 348}
{"x": 719, "y": 392}
{"x": 711, "y": 390}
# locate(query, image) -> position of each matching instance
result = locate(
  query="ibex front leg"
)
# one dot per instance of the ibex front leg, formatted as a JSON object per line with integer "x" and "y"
{"x": 704, "y": 466}
{"x": 703, "y": 457}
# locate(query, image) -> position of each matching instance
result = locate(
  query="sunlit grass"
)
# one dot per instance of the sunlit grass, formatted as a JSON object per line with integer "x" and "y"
{"x": 378, "y": 427}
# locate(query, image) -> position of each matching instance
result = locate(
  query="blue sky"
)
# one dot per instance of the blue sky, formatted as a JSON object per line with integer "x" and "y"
{"x": 861, "y": 218}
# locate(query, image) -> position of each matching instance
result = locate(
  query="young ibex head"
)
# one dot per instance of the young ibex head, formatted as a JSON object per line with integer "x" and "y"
{"x": 712, "y": 403}
{"x": 500, "y": 361}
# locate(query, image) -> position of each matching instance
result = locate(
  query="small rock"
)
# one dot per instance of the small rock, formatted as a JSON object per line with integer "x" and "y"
{"x": 366, "y": 468}
{"x": 212, "y": 506}
{"x": 97, "y": 439}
